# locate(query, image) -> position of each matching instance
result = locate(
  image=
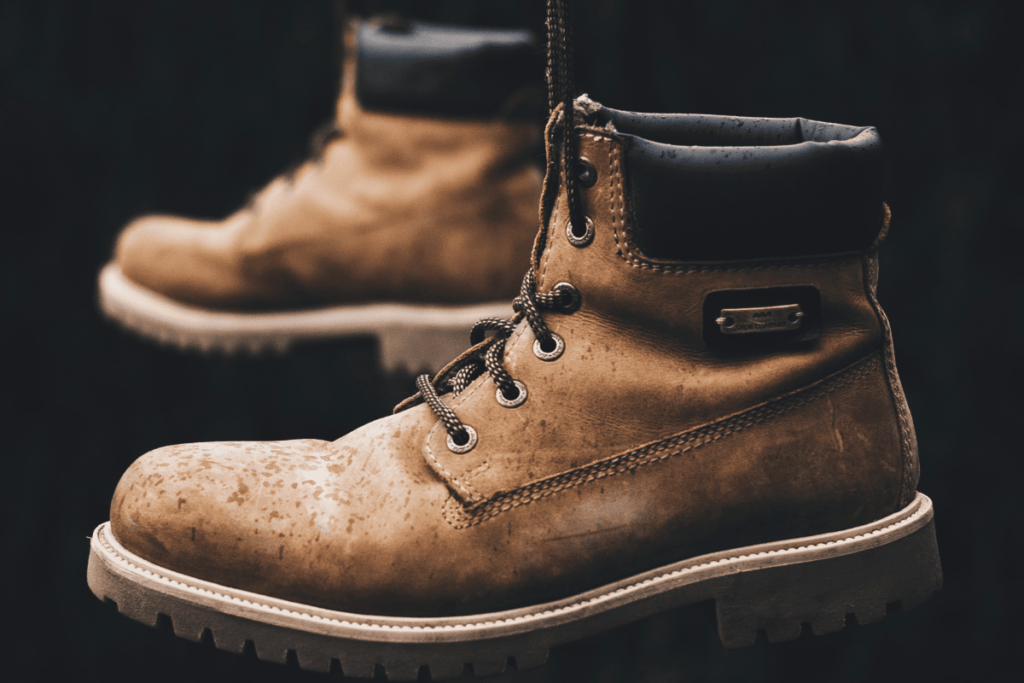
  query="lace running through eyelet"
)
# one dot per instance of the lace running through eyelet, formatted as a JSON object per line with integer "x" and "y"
{"x": 517, "y": 400}
{"x": 573, "y": 294}
{"x": 488, "y": 357}
{"x": 542, "y": 348}
{"x": 580, "y": 240}
{"x": 471, "y": 439}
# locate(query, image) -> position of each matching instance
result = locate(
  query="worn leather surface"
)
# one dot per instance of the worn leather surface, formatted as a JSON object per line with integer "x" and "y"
{"x": 441, "y": 70}
{"x": 400, "y": 208}
{"x": 638, "y": 319}
{"x": 807, "y": 187}
{"x": 638, "y": 447}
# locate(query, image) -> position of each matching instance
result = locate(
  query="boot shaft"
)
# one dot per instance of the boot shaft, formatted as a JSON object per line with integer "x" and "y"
{"x": 647, "y": 359}
{"x": 691, "y": 218}
{"x": 672, "y": 230}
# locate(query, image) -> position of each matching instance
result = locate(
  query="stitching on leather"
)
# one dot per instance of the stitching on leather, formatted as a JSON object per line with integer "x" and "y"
{"x": 614, "y": 172}
{"x": 465, "y": 481}
{"x": 612, "y": 156}
{"x": 906, "y": 521}
{"x": 595, "y": 133}
{"x": 548, "y": 247}
{"x": 511, "y": 345}
{"x": 895, "y": 389}
{"x": 461, "y": 517}
{"x": 468, "y": 477}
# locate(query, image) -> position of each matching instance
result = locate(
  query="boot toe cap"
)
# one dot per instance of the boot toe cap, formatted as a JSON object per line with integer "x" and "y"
{"x": 190, "y": 261}
{"x": 224, "y": 511}
{"x": 341, "y": 525}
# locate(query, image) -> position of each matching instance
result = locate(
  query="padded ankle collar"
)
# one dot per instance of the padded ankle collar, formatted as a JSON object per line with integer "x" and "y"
{"x": 436, "y": 70}
{"x": 710, "y": 188}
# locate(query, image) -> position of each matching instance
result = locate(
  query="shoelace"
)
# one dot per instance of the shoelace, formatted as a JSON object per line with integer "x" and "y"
{"x": 324, "y": 134}
{"x": 485, "y": 355}
{"x": 562, "y": 90}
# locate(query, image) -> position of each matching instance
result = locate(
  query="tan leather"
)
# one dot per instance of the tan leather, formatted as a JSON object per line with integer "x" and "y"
{"x": 400, "y": 208}
{"x": 638, "y": 447}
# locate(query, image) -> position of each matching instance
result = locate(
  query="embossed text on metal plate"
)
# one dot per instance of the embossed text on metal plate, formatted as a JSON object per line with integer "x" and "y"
{"x": 764, "y": 319}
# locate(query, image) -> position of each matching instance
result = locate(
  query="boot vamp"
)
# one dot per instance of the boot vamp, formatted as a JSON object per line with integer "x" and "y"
{"x": 355, "y": 525}
{"x": 361, "y": 525}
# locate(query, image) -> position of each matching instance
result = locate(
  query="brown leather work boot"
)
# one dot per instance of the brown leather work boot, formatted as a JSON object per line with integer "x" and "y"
{"x": 416, "y": 220}
{"x": 696, "y": 400}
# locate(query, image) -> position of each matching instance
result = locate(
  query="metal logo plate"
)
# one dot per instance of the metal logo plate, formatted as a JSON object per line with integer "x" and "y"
{"x": 759, "y": 320}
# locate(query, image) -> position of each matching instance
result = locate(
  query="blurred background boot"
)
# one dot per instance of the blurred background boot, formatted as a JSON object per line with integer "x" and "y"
{"x": 412, "y": 219}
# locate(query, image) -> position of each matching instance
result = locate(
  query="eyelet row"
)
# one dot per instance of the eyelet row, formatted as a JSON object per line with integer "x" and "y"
{"x": 588, "y": 177}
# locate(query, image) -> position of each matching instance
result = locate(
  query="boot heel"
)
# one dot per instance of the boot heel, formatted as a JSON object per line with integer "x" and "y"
{"x": 822, "y": 593}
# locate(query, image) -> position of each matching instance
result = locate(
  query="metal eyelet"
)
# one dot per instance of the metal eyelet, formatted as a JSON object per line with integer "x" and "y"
{"x": 466, "y": 447}
{"x": 518, "y": 400}
{"x": 549, "y": 354}
{"x": 586, "y": 172}
{"x": 580, "y": 240}
{"x": 575, "y": 299}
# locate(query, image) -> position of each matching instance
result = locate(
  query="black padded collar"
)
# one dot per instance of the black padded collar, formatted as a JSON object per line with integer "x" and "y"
{"x": 437, "y": 70}
{"x": 710, "y": 188}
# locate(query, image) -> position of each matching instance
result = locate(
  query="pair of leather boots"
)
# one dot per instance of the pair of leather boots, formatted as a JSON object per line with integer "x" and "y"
{"x": 695, "y": 397}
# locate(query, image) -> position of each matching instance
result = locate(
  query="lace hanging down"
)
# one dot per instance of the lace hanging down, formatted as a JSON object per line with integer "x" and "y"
{"x": 486, "y": 354}
{"x": 562, "y": 90}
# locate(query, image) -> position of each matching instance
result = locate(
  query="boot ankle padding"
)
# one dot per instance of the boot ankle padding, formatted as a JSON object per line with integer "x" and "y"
{"x": 715, "y": 188}
{"x": 450, "y": 71}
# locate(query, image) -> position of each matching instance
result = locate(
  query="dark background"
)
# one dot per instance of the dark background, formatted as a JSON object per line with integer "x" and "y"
{"x": 111, "y": 109}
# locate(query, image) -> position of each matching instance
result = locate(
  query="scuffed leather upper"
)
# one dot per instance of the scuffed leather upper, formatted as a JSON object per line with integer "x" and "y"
{"x": 401, "y": 207}
{"x": 639, "y": 446}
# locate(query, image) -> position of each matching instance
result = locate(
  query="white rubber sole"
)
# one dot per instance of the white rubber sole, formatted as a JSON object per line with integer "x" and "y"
{"x": 413, "y": 337}
{"x": 773, "y": 587}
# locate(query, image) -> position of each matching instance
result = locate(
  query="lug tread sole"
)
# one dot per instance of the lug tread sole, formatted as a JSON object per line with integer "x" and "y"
{"x": 818, "y": 583}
